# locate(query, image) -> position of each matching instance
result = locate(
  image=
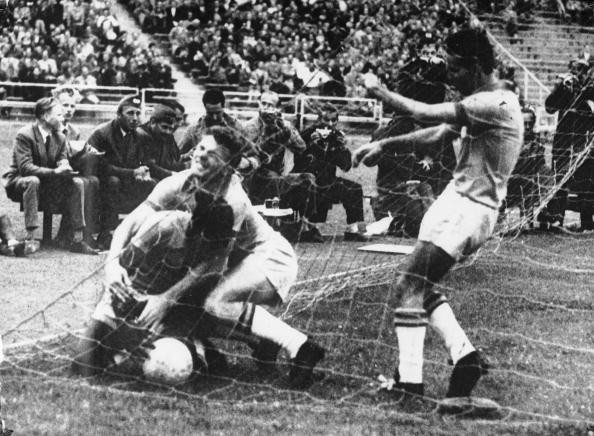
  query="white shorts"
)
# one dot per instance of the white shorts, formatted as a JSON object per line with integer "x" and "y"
{"x": 456, "y": 224}
{"x": 276, "y": 259}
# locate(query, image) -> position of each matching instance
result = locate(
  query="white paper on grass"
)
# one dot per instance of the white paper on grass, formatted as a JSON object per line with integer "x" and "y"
{"x": 379, "y": 227}
{"x": 388, "y": 248}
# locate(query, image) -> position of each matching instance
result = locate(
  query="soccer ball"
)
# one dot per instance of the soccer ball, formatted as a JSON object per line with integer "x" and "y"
{"x": 171, "y": 362}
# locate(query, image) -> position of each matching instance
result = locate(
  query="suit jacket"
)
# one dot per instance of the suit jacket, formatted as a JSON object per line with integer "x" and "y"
{"x": 122, "y": 156}
{"x": 161, "y": 155}
{"x": 30, "y": 157}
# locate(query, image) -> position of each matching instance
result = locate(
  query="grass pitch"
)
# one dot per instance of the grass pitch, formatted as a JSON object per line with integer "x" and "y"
{"x": 527, "y": 302}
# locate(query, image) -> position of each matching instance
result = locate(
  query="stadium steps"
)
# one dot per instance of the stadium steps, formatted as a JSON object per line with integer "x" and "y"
{"x": 186, "y": 90}
{"x": 544, "y": 46}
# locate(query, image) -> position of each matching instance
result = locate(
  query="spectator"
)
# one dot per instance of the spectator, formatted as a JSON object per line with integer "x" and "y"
{"x": 47, "y": 66}
{"x": 575, "y": 120}
{"x": 9, "y": 245}
{"x": 40, "y": 172}
{"x": 214, "y": 105}
{"x": 274, "y": 137}
{"x": 83, "y": 159}
{"x": 406, "y": 183}
{"x": 160, "y": 152}
{"x": 125, "y": 180}
{"x": 522, "y": 188}
{"x": 326, "y": 151}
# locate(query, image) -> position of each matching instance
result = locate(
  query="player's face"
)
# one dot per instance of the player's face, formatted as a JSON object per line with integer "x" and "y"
{"x": 129, "y": 118}
{"x": 68, "y": 106}
{"x": 209, "y": 159}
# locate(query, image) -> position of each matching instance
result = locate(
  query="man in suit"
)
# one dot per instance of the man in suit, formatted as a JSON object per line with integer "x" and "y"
{"x": 84, "y": 159}
{"x": 125, "y": 179}
{"x": 40, "y": 171}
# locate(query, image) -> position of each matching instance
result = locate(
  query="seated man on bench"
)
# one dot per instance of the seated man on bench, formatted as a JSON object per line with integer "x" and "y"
{"x": 40, "y": 173}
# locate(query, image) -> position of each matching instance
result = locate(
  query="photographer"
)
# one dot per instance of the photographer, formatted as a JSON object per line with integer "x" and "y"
{"x": 272, "y": 136}
{"x": 572, "y": 98}
{"x": 326, "y": 151}
{"x": 522, "y": 187}
{"x": 400, "y": 194}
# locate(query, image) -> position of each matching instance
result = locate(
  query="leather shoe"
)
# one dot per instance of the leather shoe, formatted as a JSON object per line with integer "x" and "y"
{"x": 104, "y": 241}
{"x": 83, "y": 248}
{"x": 311, "y": 235}
{"x": 356, "y": 237}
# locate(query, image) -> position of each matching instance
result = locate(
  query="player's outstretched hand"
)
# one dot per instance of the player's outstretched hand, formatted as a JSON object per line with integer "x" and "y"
{"x": 369, "y": 154}
{"x": 116, "y": 275}
{"x": 151, "y": 318}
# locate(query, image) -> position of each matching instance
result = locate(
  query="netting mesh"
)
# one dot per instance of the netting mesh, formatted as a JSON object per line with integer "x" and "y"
{"x": 525, "y": 299}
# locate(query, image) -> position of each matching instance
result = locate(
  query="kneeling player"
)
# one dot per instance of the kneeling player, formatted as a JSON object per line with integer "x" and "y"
{"x": 270, "y": 259}
{"x": 262, "y": 266}
{"x": 464, "y": 215}
{"x": 154, "y": 260}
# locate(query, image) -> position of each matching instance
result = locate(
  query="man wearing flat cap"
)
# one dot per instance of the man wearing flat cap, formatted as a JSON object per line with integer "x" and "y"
{"x": 159, "y": 149}
{"x": 40, "y": 173}
{"x": 125, "y": 180}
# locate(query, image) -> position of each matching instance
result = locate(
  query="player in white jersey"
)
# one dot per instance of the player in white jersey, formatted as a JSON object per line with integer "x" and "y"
{"x": 261, "y": 272}
{"x": 489, "y": 122}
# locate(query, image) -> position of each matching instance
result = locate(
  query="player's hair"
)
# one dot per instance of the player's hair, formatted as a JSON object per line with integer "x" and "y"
{"x": 231, "y": 140}
{"x": 44, "y": 105}
{"x": 213, "y": 96}
{"x": 474, "y": 47}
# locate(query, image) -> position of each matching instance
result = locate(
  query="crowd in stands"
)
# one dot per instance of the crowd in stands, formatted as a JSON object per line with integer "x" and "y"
{"x": 517, "y": 13}
{"x": 75, "y": 42}
{"x": 297, "y": 45}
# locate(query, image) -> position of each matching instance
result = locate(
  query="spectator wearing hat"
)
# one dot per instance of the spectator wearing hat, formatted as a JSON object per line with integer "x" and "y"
{"x": 40, "y": 172}
{"x": 125, "y": 180}
{"x": 180, "y": 112}
{"x": 160, "y": 151}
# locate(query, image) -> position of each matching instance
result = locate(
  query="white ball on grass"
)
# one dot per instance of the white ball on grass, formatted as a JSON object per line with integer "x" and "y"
{"x": 170, "y": 362}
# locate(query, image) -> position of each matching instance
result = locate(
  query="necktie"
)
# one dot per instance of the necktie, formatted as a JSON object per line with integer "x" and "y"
{"x": 47, "y": 146}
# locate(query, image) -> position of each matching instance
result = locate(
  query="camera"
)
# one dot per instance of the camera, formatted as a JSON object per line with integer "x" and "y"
{"x": 323, "y": 132}
{"x": 568, "y": 79}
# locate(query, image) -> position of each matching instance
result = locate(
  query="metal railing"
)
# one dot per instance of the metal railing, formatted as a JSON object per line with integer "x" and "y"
{"x": 300, "y": 109}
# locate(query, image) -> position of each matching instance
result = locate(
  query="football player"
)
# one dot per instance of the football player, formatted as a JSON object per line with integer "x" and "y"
{"x": 261, "y": 268}
{"x": 490, "y": 124}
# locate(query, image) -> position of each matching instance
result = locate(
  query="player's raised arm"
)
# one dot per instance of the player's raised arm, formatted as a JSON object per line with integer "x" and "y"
{"x": 421, "y": 141}
{"x": 422, "y": 112}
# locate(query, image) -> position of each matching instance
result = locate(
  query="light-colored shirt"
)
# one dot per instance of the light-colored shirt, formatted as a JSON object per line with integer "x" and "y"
{"x": 490, "y": 145}
{"x": 177, "y": 192}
